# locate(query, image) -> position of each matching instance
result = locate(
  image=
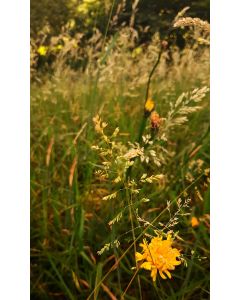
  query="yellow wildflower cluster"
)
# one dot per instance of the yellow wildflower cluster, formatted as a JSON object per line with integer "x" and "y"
{"x": 87, "y": 5}
{"x": 159, "y": 256}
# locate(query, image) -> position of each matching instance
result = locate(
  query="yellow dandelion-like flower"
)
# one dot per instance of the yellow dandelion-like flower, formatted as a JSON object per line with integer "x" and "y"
{"x": 42, "y": 50}
{"x": 158, "y": 256}
{"x": 194, "y": 222}
{"x": 149, "y": 106}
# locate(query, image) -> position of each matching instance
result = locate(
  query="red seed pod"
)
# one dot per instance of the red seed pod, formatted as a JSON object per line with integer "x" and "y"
{"x": 155, "y": 120}
{"x": 164, "y": 44}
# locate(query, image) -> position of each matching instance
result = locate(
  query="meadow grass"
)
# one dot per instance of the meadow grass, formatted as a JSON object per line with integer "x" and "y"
{"x": 69, "y": 218}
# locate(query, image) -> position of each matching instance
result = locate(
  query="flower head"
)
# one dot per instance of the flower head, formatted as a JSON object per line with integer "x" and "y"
{"x": 194, "y": 222}
{"x": 42, "y": 50}
{"x": 149, "y": 106}
{"x": 158, "y": 256}
{"x": 155, "y": 120}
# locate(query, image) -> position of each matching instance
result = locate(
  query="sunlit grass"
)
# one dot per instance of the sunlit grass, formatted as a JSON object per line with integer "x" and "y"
{"x": 86, "y": 220}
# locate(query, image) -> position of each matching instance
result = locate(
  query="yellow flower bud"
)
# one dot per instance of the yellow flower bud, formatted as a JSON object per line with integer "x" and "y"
{"x": 149, "y": 106}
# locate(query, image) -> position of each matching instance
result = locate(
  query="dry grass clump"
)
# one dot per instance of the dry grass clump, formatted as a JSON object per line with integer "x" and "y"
{"x": 120, "y": 60}
{"x": 195, "y": 22}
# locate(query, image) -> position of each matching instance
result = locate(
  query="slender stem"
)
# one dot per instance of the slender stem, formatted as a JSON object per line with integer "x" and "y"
{"x": 110, "y": 16}
{"x": 129, "y": 284}
{"x": 130, "y": 205}
{"x": 151, "y": 74}
{"x": 144, "y": 119}
{"x": 113, "y": 234}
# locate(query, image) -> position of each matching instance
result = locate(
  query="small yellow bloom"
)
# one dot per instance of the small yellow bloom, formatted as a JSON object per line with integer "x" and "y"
{"x": 149, "y": 106}
{"x": 136, "y": 52}
{"x": 158, "y": 256}
{"x": 194, "y": 222}
{"x": 71, "y": 23}
{"x": 42, "y": 50}
{"x": 83, "y": 8}
{"x": 59, "y": 47}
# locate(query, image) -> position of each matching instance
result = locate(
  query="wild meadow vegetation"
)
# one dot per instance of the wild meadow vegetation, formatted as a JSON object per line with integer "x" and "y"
{"x": 120, "y": 158}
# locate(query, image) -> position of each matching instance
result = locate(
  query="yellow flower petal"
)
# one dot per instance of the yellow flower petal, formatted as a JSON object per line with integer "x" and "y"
{"x": 146, "y": 265}
{"x": 154, "y": 274}
{"x": 168, "y": 274}
{"x": 139, "y": 256}
{"x": 162, "y": 275}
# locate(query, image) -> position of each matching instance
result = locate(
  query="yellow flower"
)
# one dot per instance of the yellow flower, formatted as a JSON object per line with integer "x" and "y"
{"x": 194, "y": 222}
{"x": 71, "y": 23}
{"x": 59, "y": 47}
{"x": 136, "y": 52}
{"x": 42, "y": 50}
{"x": 149, "y": 106}
{"x": 158, "y": 256}
{"x": 83, "y": 8}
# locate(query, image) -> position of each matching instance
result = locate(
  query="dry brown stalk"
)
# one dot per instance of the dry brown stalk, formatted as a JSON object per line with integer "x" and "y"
{"x": 78, "y": 134}
{"x": 107, "y": 290}
{"x": 195, "y": 151}
{"x": 72, "y": 169}
{"x": 49, "y": 151}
